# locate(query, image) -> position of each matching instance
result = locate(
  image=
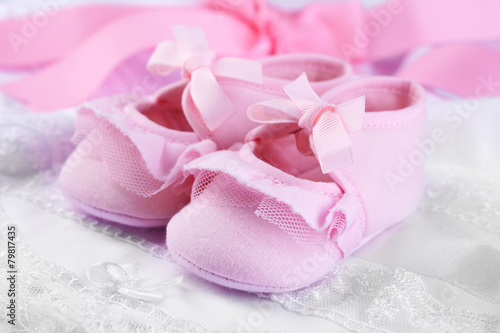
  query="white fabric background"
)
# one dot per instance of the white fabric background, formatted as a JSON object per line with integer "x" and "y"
{"x": 437, "y": 271}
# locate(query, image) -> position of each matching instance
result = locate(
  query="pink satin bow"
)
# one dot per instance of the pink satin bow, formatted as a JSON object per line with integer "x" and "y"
{"x": 191, "y": 53}
{"x": 325, "y": 126}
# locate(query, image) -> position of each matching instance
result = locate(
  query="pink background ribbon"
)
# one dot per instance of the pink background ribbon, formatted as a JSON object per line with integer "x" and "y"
{"x": 77, "y": 48}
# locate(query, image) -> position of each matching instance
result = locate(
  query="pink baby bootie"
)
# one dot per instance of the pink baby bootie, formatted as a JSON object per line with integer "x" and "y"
{"x": 307, "y": 189}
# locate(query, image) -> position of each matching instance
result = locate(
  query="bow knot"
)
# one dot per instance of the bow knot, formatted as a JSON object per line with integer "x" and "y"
{"x": 322, "y": 127}
{"x": 123, "y": 279}
{"x": 310, "y": 115}
{"x": 191, "y": 53}
{"x": 202, "y": 59}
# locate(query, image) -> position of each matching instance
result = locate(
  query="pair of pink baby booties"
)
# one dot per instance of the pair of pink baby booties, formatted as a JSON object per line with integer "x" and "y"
{"x": 267, "y": 173}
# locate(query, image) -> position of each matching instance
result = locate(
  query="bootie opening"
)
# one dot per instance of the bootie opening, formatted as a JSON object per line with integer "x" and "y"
{"x": 282, "y": 153}
{"x": 381, "y": 93}
{"x": 166, "y": 110}
{"x": 317, "y": 67}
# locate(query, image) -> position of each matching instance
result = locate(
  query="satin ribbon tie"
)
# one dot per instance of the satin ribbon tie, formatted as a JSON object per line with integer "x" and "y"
{"x": 323, "y": 127}
{"x": 123, "y": 279}
{"x": 191, "y": 53}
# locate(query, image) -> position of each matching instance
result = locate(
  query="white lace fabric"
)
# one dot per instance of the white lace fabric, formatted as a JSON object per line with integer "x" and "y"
{"x": 364, "y": 299}
{"x": 451, "y": 242}
{"x": 439, "y": 271}
{"x": 52, "y": 299}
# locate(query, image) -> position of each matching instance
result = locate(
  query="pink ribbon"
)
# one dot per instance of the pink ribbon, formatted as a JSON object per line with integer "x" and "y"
{"x": 469, "y": 71}
{"x": 325, "y": 126}
{"x": 191, "y": 53}
{"x": 83, "y": 45}
{"x": 80, "y": 70}
{"x": 31, "y": 41}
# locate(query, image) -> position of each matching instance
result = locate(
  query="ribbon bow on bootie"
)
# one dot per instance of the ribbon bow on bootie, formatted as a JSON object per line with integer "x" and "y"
{"x": 323, "y": 127}
{"x": 191, "y": 53}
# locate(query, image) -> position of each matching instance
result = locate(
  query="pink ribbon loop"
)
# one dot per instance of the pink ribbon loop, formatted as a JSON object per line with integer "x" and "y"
{"x": 191, "y": 53}
{"x": 325, "y": 125}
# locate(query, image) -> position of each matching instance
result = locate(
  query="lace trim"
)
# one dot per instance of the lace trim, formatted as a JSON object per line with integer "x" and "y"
{"x": 363, "y": 299}
{"x": 468, "y": 259}
{"x": 466, "y": 196}
{"x": 53, "y": 299}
